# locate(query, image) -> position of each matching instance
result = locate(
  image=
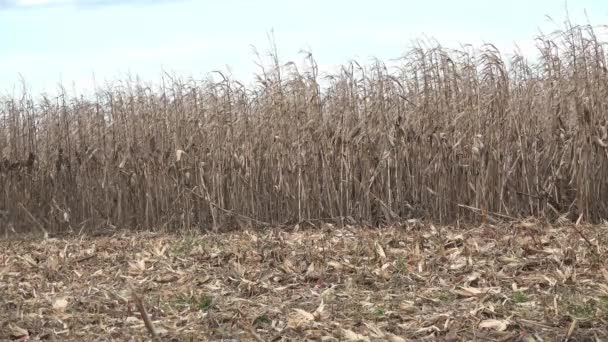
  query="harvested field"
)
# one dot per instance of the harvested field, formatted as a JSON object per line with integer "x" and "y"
{"x": 526, "y": 281}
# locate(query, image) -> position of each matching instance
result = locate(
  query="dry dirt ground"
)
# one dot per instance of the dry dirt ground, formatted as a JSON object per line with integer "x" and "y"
{"x": 522, "y": 282}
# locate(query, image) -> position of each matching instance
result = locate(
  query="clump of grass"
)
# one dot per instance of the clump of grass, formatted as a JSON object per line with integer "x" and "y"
{"x": 520, "y": 297}
{"x": 603, "y": 305}
{"x": 445, "y": 131}
{"x": 603, "y": 300}
{"x": 200, "y": 302}
{"x": 401, "y": 264}
{"x": 185, "y": 245}
{"x": 445, "y": 297}
{"x": 582, "y": 310}
{"x": 262, "y": 320}
{"x": 380, "y": 312}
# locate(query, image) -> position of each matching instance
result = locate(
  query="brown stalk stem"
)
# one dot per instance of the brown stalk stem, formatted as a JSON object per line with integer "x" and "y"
{"x": 38, "y": 224}
{"x": 144, "y": 315}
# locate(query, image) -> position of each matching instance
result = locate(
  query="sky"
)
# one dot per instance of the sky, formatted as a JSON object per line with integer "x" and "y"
{"x": 84, "y": 43}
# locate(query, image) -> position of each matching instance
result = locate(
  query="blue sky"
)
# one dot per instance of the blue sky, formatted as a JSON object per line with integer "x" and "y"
{"x": 70, "y": 41}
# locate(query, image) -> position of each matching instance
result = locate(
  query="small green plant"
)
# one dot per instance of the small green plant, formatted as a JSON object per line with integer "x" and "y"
{"x": 604, "y": 302}
{"x": 582, "y": 310}
{"x": 444, "y": 297}
{"x": 262, "y": 320}
{"x": 202, "y": 302}
{"x": 380, "y": 312}
{"x": 185, "y": 245}
{"x": 520, "y": 297}
{"x": 401, "y": 265}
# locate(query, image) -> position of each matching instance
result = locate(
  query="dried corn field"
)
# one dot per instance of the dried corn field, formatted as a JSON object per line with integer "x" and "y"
{"x": 448, "y": 150}
{"x": 450, "y": 136}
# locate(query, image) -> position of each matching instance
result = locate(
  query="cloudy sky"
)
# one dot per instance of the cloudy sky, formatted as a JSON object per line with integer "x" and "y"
{"x": 70, "y": 41}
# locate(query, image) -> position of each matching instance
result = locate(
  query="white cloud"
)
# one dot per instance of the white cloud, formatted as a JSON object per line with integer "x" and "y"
{"x": 29, "y": 3}
{"x": 33, "y": 4}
